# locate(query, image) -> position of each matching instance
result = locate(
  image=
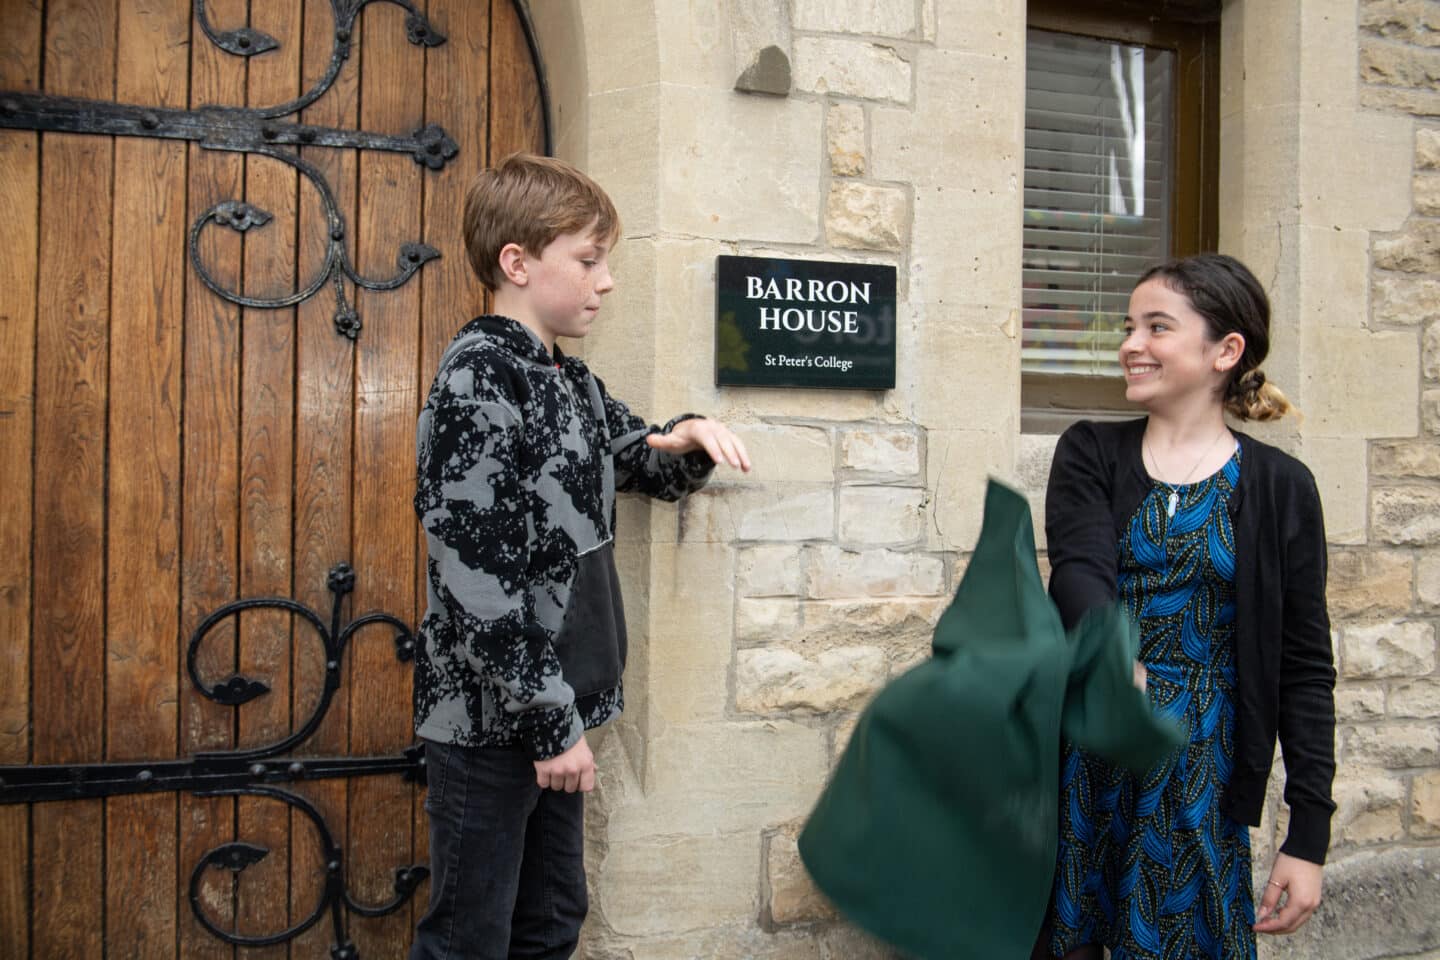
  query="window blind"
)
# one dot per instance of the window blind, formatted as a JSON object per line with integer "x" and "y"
{"x": 1097, "y": 194}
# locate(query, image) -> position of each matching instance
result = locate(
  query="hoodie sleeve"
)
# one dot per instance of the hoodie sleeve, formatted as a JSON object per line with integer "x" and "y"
{"x": 639, "y": 467}
{"x": 471, "y": 501}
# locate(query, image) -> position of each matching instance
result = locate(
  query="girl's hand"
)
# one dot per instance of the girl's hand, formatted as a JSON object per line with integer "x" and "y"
{"x": 1299, "y": 880}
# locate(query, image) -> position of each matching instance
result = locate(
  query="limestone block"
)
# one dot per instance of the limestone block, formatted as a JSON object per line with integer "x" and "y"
{"x": 1328, "y": 52}
{"x": 898, "y": 623}
{"x": 855, "y": 16}
{"x": 766, "y": 620}
{"x": 852, "y": 943}
{"x": 845, "y": 139}
{"x": 1430, "y": 411}
{"x": 880, "y": 451}
{"x": 1389, "y": 649}
{"x": 700, "y": 44}
{"x": 1270, "y": 55}
{"x": 1427, "y": 579}
{"x": 1416, "y": 249}
{"x": 1426, "y": 189}
{"x": 726, "y": 778}
{"x": 1371, "y": 582}
{"x": 691, "y": 597}
{"x": 840, "y": 736}
{"x": 1419, "y": 103}
{"x": 881, "y": 515}
{"x": 708, "y": 880}
{"x": 1033, "y": 454}
{"x": 837, "y": 574}
{"x": 622, "y": 50}
{"x": 957, "y": 464}
{"x": 866, "y": 217}
{"x": 1430, "y": 347}
{"x": 1403, "y": 299}
{"x": 736, "y": 942}
{"x": 1376, "y": 202}
{"x": 1427, "y": 148}
{"x": 784, "y": 455}
{"x": 618, "y": 120}
{"x": 1355, "y": 702}
{"x": 968, "y": 380}
{"x": 1413, "y": 21}
{"x": 1335, "y": 263}
{"x": 1370, "y": 808}
{"x": 1394, "y": 746}
{"x": 769, "y": 572}
{"x": 1417, "y": 699}
{"x": 1406, "y": 515}
{"x": 852, "y": 68}
{"x": 1399, "y": 64}
{"x": 1405, "y": 458}
{"x": 769, "y": 680}
{"x": 788, "y": 512}
{"x": 1339, "y": 399}
{"x": 708, "y": 188}
{"x": 1376, "y": 904}
{"x": 791, "y": 896}
{"x": 993, "y": 27}
{"x": 1425, "y": 805}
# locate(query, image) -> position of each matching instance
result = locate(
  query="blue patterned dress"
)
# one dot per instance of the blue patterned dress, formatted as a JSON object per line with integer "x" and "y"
{"x": 1148, "y": 865}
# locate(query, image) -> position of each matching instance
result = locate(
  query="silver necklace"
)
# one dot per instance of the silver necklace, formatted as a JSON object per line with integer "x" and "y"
{"x": 1173, "y": 501}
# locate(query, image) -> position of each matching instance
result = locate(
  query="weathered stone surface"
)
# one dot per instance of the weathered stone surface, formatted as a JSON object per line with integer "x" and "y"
{"x": 1426, "y": 190}
{"x": 844, "y": 942}
{"x": 880, "y": 451}
{"x": 1419, "y": 103}
{"x": 769, "y": 680}
{"x": 881, "y": 515}
{"x": 769, "y": 620}
{"x": 840, "y": 736}
{"x": 1427, "y": 579}
{"x": 1418, "y": 699}
{"x": 1427, "y": 148}
{"x": 863, "y": 216}
{"x": 1416, "y": 249}
{"x": 1406, "y": 515}
{"x": 791, "y": 896}
{"x": 845, "y": 139}
{"x": 784, "y": 512}
{"x": 1405, "y": 458}
{"x": 1390, "y": 649}
{"x": 783, "y": 454}
{"x": 1375, "y": 905}
{"x": 1403, "y": 298}
{"x": 1394, "y": 746}
{"x": 709, "y": 881}
{"x": 836, "y": 574}
{"x": 683, "y": 662}
{"x": 900, "y": 622}
{"x": 1363, "y": 581}
{"x": 855, "y": 16}
{"x": 1430, "y": 411}
{"x": 852, "y": 68}
{"x": 768, "y": 72}
{"x": 1370, "y": 808}
{"x": 1425, "y": 805}
{"x": 1341, "y": 467}
{"x": 1359, "y": 702}
{"x": 1399, "y": 64}
{"x": 771, "y": 571}
{"x": 1413, "y": 21}
{"x": 1340, "y": 399}
{"x": 737, "y": 942}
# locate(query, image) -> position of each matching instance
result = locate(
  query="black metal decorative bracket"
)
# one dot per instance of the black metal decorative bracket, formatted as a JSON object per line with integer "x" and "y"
{"x": 257, "y": 130}
{"x": 253, "y": 772}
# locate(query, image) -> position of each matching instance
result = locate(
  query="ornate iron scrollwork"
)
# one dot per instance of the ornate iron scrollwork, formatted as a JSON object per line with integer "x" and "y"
{"x": 254, "y": 771}
{"x": 256, "y": 130}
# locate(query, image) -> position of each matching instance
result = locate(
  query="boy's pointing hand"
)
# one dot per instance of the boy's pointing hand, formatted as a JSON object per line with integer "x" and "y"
{"x": 701, "y": 433}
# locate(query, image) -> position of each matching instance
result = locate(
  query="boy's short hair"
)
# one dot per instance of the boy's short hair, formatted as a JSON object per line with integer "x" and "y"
{"x": 530, "y": 200}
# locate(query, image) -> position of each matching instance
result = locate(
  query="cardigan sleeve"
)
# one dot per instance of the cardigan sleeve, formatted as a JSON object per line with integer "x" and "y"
{"x": 1307, "y": 680}
{"x": 1079, "y": 530}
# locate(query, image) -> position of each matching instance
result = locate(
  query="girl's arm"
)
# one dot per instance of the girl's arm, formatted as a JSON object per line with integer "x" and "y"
{"x": 1079, "y": 530}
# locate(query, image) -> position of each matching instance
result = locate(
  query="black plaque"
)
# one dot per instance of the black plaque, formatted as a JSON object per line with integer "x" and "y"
{"x": 804, "y": 323}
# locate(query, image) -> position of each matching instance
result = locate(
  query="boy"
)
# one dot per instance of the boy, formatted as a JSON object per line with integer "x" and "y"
{"x": 520, "y": 451}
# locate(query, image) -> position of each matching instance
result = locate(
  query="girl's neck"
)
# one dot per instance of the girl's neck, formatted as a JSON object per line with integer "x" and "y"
{"x": 1181, "y": 426}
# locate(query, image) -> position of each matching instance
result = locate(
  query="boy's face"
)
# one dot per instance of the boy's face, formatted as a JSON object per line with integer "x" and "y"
{"x": 566, "y": 282}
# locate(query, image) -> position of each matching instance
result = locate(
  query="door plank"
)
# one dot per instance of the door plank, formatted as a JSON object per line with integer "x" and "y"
{"x": 267, "y": 474}
{"x": 19, "y": 210}
{"x": 386, "y": 403}
{"x": 72, "y": 390}
{"x": 520, "y": 124}
{"x": 210, "y": 514}
{"x": 324, "y": 423}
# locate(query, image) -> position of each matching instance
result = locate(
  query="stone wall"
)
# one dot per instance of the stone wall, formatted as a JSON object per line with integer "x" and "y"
{"x": 767, "y": 609}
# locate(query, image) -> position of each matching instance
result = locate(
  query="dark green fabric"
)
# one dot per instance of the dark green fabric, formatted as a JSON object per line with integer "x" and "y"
{"x": 937, "y": 832}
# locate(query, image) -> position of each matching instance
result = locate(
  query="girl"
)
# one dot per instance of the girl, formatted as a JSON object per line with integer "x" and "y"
{"x": 1214, "y": 543}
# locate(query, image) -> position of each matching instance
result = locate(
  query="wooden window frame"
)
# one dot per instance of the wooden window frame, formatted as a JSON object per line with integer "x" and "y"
{"x": 1191, "y": 30}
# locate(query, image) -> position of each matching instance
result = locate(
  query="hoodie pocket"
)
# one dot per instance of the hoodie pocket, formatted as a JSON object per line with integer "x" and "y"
{"x": 591, "y": 643}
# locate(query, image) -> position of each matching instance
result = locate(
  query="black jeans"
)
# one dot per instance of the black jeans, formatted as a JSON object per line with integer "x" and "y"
{"x": 507, "y": 860}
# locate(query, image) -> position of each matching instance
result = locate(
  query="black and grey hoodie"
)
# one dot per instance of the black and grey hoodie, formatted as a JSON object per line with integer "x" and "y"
{"x": 519, "y": 456}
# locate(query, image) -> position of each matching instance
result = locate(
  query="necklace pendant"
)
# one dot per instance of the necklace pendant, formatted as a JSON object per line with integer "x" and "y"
{"x": 1171, "y": 503}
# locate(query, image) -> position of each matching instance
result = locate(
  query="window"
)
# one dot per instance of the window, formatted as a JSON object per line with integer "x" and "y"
{"x": 1121, "y": 162}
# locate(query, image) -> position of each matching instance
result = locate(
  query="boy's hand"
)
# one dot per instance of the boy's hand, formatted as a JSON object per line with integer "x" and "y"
{"x": 702, "y": 433}
{"x": 1299, "y": 880}
{"x": 570, "y": 771}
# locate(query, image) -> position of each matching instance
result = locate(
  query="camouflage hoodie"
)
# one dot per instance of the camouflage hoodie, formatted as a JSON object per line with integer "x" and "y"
{"x": 519, "y": 455}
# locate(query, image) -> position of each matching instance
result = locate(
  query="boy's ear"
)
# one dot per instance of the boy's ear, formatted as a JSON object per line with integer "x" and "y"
{"x": 512, "y": 264}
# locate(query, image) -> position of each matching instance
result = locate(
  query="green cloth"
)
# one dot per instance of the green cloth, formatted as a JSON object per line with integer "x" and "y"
{"x": 938, "y": 831}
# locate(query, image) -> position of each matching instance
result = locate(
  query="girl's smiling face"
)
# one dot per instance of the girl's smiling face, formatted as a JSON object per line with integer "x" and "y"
{"x": 1167, "y": 355}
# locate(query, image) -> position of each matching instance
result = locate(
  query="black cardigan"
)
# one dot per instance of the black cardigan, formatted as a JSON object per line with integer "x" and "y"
{"x": 1285, "y": 677}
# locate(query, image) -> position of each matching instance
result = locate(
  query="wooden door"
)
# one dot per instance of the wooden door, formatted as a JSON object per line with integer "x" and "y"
{"x": 166, "y": 450}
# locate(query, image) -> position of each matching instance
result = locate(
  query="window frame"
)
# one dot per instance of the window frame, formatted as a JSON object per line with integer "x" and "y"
{"x": 1191, "y": 30}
